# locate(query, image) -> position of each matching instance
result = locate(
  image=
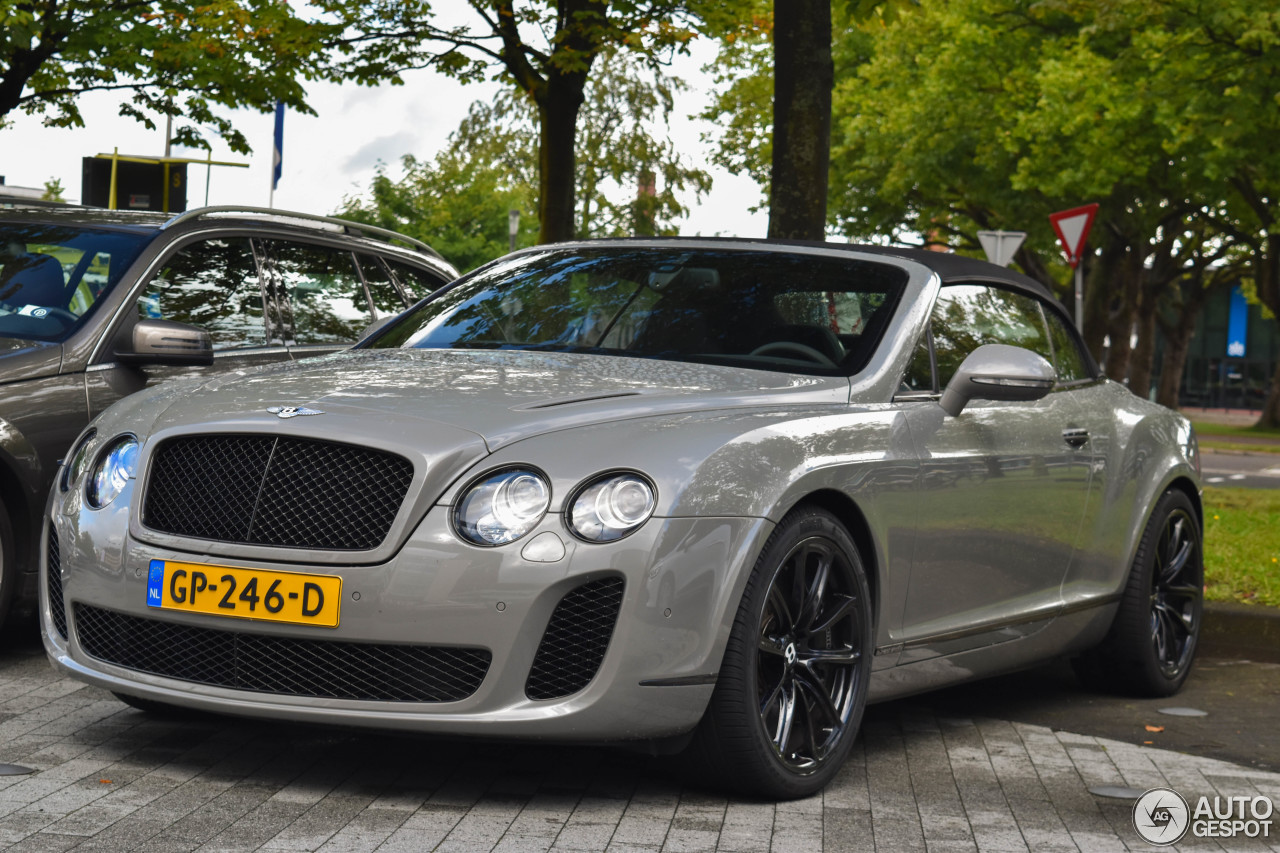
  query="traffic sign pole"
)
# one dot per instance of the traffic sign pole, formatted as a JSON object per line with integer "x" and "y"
{"x": 1080, "y": 298}
{"x": 1072, "y": 227}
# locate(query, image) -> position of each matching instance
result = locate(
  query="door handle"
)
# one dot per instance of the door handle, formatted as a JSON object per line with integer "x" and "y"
{"x": 1075, "y": 436}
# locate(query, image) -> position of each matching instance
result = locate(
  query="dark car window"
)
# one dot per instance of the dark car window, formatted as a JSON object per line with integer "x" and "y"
{"x": 966, "y": 316}
{"x": 53, "y": 277}
{"x": 212, "y": 284}
{"x": 919, "y": 375}
{"x": 382, "y": 290}
{"x": 1068, "y": 360}
{"x": 767, "y": 310}
{"x": 417, "y": 283}
{"x": 322, "y": 285}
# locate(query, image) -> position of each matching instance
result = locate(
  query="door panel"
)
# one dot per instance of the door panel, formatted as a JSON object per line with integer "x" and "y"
{"x": 1004, "y": 487}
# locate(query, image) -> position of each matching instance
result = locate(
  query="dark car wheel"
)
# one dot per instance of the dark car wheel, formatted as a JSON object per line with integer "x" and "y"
{"x": 793, "y": 684}
{"x": 8, "y": 564}
{"x": 1152, "y": 643}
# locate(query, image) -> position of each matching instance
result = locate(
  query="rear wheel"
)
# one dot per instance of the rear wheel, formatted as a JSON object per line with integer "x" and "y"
{"x": 791, "y": 691}
{"x": 1152, "y": 643}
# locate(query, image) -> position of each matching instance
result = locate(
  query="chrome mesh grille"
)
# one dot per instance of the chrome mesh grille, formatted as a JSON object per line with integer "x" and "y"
{"x": 269, "y": 490}
{"x": 576, "y": 639}
{"x": 327, "y": 669}
{"x": 57, "y": 608}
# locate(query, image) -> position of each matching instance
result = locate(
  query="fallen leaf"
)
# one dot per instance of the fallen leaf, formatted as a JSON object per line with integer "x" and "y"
{"x": 1155, "y": 728}
{"x": 104, "y": 781}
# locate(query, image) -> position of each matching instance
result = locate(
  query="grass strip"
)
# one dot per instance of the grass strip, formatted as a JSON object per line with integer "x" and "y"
{"x": 1242, "y": 545}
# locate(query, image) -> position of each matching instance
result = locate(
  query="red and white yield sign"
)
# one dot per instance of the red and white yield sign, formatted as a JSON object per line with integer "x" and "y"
{"x": 1072, "y": 227}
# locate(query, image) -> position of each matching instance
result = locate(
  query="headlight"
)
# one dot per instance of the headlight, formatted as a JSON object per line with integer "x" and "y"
{"x": 502, "y": 507}
{"x": 78, "y": 460}
{"x": 611, "y": 507}
{"x": 114, "y": 469}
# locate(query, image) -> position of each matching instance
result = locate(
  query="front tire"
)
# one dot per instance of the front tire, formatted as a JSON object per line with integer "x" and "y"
{"x": 1152, "y": 642}
{"x": 793, "y": 685}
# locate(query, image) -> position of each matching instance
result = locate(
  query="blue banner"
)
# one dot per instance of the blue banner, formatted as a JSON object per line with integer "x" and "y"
{"x": 277, "y": 156}
{"x": 1237, "y": 325}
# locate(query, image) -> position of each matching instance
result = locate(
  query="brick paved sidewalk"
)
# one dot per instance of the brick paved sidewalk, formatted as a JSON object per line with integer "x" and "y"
{"x": 113, "y": 779}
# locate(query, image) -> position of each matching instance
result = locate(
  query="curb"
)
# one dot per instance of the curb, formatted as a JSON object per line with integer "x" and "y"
{"x": 1249, "y": 631}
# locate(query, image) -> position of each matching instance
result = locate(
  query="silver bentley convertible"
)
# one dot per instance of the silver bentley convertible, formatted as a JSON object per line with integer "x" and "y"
{"x": 713, "y": 495}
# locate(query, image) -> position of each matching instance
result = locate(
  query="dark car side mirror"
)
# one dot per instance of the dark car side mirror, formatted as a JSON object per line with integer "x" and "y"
{"x": 998, "y": 372}
{"x": 167, "y": 342}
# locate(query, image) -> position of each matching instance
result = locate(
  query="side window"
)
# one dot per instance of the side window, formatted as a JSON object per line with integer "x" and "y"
{"x": 212, "y": 284}
{"x": 967, "y": 316}
{"x": 1068, "y": 359}
{"x": 326, "y": 295}
{"x": 416, "y": 283}
{"x": 382, "y": 290}
{"x": 919, "y": 375}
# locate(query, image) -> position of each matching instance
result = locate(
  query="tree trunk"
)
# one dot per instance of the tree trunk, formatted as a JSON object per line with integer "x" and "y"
{"x": 558, "y": 114}
{"x": 1143, "y": 357}
{"x": 1267, "y": 280}
{"x": 1177, "y": 341}
{"x": 803, "y": 76}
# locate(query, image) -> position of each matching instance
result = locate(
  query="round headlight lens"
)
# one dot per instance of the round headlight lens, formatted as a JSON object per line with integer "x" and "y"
{"x": 612, "y": 507}
{"x": 79, "y": 461}
{"x": 502, "y": 507}
{"x": 113, "y": 471}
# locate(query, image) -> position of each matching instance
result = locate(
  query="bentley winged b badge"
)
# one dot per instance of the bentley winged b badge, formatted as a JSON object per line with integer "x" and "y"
{"x": 292, "y": 411}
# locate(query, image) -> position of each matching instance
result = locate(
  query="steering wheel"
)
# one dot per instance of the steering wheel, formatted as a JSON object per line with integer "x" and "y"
{"x": 804, "y": 350}
{"x": 61, "y": 314}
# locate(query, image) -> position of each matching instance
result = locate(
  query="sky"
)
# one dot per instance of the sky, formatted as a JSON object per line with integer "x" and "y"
{"x": 333, "y": 155}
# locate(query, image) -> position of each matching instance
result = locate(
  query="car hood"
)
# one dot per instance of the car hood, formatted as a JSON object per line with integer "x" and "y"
{"x": 501, "y": 396}
{"x": 24, "y": 359}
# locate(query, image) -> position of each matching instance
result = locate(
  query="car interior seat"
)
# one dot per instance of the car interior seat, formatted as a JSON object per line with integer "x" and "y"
{"x": 33, "y": 279}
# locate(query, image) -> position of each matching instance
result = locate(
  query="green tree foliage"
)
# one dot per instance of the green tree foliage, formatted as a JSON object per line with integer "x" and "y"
{"x": 181, "y": 58}
{"x": 630, "y": 177}
{"x": 53, "y": 190}
{"x": 546, "y": 48}
{"x": 459, "y": 202}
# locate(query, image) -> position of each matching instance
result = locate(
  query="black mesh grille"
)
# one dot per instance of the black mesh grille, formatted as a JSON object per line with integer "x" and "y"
{"x": 267, "y": 490}
{"x": 576, "y": 639}
{"x": 326, "y": 669}
{"x": 56, "y": 607}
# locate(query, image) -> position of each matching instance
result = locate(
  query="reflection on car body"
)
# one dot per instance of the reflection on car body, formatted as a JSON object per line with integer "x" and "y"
{"x": 710, "y": 494}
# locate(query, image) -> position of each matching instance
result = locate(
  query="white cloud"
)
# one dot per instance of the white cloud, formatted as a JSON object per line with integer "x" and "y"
{"x": 333, "y": 154}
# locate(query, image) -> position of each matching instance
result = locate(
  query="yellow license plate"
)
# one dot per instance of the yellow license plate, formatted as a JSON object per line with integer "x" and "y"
{"x": 292, "y": 597}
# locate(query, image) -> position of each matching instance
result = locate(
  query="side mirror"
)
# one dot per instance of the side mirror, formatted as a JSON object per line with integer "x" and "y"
{"x": 167, "y": 342}
{"x": 998, "y": 372}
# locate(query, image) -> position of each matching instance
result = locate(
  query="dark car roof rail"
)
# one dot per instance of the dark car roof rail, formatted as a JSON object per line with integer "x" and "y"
{"x": 346, "y": 225}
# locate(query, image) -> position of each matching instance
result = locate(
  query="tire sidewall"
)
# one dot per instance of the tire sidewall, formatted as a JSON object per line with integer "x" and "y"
{"x": 794, "y": 529}
{"x": 1138, "y": 595}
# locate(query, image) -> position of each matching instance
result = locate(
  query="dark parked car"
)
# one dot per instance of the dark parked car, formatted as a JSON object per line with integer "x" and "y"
{"x": 713, "y": 494}
{"x": 97, "y": 304}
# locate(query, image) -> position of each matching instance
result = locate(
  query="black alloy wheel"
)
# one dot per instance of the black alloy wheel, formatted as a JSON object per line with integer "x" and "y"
{"x": 1152, "y": 642}
{"x": 1177, "y": 587}
{"x": 807, "y": 668}
{"x": 793, "y": 685}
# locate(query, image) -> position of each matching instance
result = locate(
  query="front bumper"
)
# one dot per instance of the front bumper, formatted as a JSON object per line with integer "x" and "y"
{"x": 683, "y": 579}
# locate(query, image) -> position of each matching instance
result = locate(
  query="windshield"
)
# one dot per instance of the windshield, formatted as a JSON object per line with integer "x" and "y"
{"x": 769, "y": 310}
{"x": 52, "y": 277}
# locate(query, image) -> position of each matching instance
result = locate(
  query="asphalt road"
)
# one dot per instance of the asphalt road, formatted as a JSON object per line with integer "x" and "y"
{"x": 1240, "y": 700}
{"x": 1241, "y": 470}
